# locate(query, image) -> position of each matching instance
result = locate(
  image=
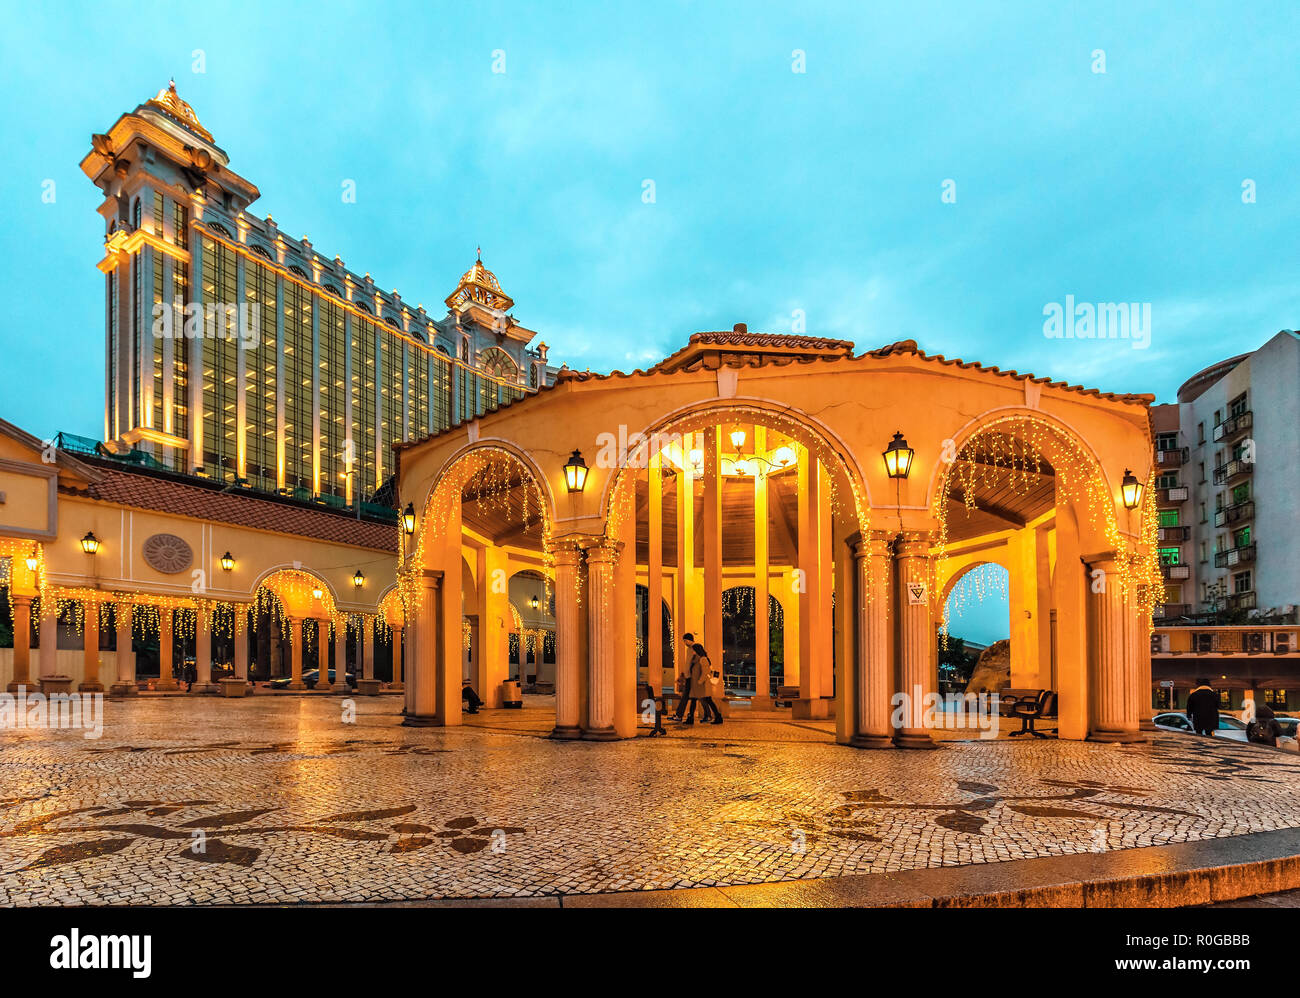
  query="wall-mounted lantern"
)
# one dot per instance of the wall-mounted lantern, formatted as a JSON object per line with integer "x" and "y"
{"x": 898, "y": 457}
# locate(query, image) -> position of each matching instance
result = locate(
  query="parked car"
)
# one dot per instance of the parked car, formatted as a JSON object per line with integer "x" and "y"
{"x": 310, "y": 678}
{"x": 1229, "y": 726}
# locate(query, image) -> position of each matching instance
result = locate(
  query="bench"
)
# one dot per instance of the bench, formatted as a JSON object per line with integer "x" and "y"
{"x": 1029, "y": 711}
{"x": 1008, "y": 698}
{"x": 785, "y": 696}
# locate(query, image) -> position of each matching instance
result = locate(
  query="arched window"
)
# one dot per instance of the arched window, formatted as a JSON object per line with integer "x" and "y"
{"x": 496, "y": 363}
{"x": 260, "y": 250}
{"x": 299, "y": 271}
{"x": 362, "y": 305}
{"x": 215, "y": 226}
{"x": 464, "y": 349}
{"x": 392, "y": 322}
{"x": 333, "y": 290}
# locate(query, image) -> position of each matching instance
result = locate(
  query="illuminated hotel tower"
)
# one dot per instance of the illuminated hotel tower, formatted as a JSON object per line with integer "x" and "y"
{"x": 306, "y": 374}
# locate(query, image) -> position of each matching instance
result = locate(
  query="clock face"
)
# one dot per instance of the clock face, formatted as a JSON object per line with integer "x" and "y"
{"x": 167, "y": 553}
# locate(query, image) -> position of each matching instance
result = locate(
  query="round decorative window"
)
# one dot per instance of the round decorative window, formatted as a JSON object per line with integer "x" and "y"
{"x": 167, "y": 553}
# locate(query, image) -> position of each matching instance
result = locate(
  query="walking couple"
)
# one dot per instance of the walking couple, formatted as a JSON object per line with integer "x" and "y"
{"x": 701, "y": 681}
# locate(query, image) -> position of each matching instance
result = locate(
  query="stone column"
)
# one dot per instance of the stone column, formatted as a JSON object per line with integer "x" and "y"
{"x": 368, "y": 650}
{"x": 712, "y": 638}
{"x": 341, "y": 657}
{"x": 815, "y": 639}
{"x": 422, "y": 679}
{"x": 875, "y": 569}
{"x": 682, "y": 620}
{"x": 762, "y": 633}
{"x": 203, "y": 650}
{"x": 1111, "y": 656}
{"x": 1142, "y": 658}
{"x": 654, "y": 618}
{"x": 166, "y": 674}
{"x": 397, "y": 657}
{"x": 241, "y": 643}
{"x": 568, "y": 683}
{"x": 295, "y": 653}
{"x": 22, "y": 613}
{"x": 125, "y": 684}
{"x": 917, "y": 637}
{"x": 49, "y": 634}
{"x": 90, "y": 649}
{"x": 323, "y": 684}
{"x": 600, "y": 641}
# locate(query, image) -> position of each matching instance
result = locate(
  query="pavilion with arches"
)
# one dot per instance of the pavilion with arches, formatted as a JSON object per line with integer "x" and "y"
{"x": 851, "y": 489}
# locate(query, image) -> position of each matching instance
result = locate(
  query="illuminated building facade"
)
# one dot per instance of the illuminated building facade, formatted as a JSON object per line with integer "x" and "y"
{"x": 239, "y": 354}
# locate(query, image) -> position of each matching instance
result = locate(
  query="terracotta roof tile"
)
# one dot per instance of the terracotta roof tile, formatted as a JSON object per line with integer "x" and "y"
{"x": 145, "y": 491}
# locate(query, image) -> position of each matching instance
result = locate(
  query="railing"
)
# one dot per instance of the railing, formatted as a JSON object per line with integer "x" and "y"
{"x": 1175, "y": 458}
{"x": 1235, "y": 513}
{"x": 1176, "y": 571}
{"x": 1166, "y": 610}
{"x": 1174, "y": 533}
{"x": 1176, "y": 494}
{"x": 1234, "y": 556}
{"x": 1233, "y": 469}
{"x": 1241, "y": 601}
{"x": 1233, "y": 425}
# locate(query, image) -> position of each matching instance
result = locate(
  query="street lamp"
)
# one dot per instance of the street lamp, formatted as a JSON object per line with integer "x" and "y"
{"x": 737, "y": 439}
{"x": 227, "y": 561}
{"x": 90, "y": 543}
{"x": 32, "y": 562}
{"x": 358, "y": 580}
{"x": 317, "y": 593}
{"x": 575, "y": 472}
{"x": 1131, "y": 490}
{"x": 408, "y": 519}
{"x": 898, "y": 457}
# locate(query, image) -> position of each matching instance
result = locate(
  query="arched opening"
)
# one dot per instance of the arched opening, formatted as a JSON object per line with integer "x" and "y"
{"x": 737, "y": 495}
{"x": 975, "y": 630}
{"x": 486, "y": 520}
{"x": 740, "y": 640}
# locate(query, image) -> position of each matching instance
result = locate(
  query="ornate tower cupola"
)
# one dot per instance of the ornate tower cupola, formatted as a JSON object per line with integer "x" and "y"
{"x": 169, "y": 103}
{"x": 479, "y": 286}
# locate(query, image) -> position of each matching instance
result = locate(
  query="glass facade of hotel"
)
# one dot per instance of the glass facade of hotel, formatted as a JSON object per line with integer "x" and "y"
{"x": 237, "y": 353}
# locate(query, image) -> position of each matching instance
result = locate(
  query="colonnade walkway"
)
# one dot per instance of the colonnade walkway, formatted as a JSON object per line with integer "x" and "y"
{"x": 211, "y": 801}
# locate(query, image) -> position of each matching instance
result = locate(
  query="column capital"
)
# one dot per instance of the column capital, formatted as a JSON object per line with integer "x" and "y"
{"x": 566, "y": 552}
{"x": 873, "y": 543}
{"x": 604, "y": 551}
{"x": 429, "y": 578}
{"x": 915, "y": 543}
{"x": 20, "y": 600}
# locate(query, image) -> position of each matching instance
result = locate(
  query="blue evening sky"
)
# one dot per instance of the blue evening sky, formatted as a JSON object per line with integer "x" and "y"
{"x": 774, "y": 191}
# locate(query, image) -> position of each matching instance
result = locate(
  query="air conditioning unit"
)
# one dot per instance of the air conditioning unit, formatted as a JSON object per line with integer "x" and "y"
{"x": 1203, "y": 642}
{"x": 1282, "y": 643}
{"x": 1255, "y": 641}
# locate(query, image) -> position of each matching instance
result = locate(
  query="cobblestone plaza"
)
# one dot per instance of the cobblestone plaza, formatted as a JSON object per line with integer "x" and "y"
{"x": 268, "y": 799}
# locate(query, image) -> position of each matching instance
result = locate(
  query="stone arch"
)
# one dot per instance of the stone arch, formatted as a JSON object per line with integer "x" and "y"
{"x": 293, "y": 585}
{"x": 814, "y": 435}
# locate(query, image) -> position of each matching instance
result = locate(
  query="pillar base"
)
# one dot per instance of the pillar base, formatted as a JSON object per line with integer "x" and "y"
{"x": 872, "y": 741}
{"x": 296, "y": 685}
{"x": 327, "y": 688}
{"x": 601, "y": 735}
{"x": 123, "y": 690}
{"x": 166, "y": 685}
{"x": 421, "y": 721}
{"x": 94, "y": 686}
{"x": 915, "y": 740}
{"x": 1146, "y": 724}
{"x": 566, "y": 732}
{"x": 816, "y": 709}
{"x": 368, "y": 687}
{"x": 397, "y": 686}
{"x": 206, "y": 688}
{"x": 17, "y": 684}
{"x": 762, "y": 703}
{"x": 1125, "y": 737}
{"x": 56, "y": 684}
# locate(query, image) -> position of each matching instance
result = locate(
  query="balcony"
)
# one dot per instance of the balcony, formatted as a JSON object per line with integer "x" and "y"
{"x": 1241, "y": 601}
{"x": 1234, "y": 556}
{"x": 1167, "y": 610}
{"x": 1173, "y": 496}
{"x": 1175, "y": 458}
{"x": 1238, "y": 512}
{"x": 1174, "y": 534}
{"x": 1234, "y": 426}
{"x": 1176, "y": 571}
{"x": 1232, "y": 470}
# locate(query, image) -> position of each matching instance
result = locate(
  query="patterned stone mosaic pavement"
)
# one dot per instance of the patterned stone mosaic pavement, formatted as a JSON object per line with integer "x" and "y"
{"x": 276, "y": 800}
